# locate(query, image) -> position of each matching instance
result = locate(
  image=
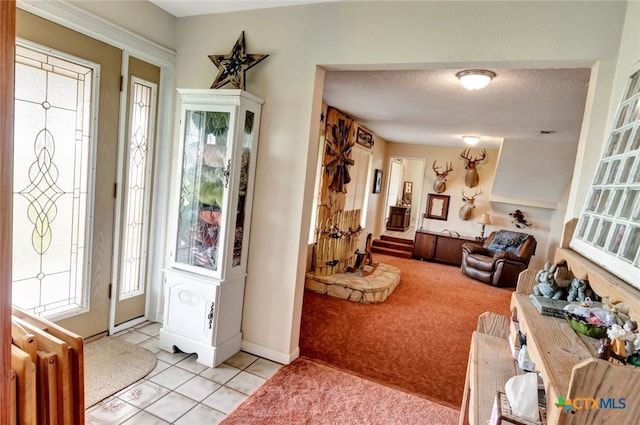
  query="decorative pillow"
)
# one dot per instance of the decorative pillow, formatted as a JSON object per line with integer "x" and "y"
{"x": 507, "y": 241}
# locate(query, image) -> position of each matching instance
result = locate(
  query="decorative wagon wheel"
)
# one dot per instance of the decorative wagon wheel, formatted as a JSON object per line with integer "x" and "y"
{"x": 340, "y": 148}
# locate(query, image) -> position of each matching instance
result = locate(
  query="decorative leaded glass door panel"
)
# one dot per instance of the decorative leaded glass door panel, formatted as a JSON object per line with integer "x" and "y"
{"x": 129, "y": 297}
{"x": 65, "y": 149}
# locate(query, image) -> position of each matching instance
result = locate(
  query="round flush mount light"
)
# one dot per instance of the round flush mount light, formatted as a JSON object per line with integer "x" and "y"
{"x": 475, "y": 79}
{"x": 471, "y": 140}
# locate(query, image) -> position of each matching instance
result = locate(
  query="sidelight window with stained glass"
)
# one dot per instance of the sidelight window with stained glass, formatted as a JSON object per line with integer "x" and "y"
{"x": 53, "y": 147}
{"x": 138, "y": 176}
{"x": 608, "y": 231}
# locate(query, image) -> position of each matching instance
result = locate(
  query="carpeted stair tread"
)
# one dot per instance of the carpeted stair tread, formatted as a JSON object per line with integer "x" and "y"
{"x": 396, "y": 240}
{"x": 392, "y": 245}
{"x": 392, "y": 252}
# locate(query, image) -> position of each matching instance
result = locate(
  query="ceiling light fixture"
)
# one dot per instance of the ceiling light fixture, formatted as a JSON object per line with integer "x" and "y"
{"x": 471, "y": 140}
{"x": 475, "y": 79}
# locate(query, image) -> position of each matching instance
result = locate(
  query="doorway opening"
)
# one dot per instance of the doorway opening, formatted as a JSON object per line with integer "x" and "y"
{"x": 403, "y": 200}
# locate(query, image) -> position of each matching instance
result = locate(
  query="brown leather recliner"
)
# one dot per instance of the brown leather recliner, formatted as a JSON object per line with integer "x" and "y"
{"x": 501, "y": 258}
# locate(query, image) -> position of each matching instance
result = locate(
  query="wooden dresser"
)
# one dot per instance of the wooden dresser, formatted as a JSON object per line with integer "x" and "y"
{"x": 440, "y": 247}
{"x": 399, "y": 218}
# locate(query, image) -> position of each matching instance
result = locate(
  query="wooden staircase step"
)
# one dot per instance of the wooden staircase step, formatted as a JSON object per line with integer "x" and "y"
{"x": 392, "y": 245}
{"x": 396, "y": 240}
{"x": 392, "y": 252}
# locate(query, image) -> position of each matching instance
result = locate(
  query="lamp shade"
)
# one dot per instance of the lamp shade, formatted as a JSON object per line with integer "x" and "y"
{"x": 485, "y": 219}
{"x": 475, "y": 79}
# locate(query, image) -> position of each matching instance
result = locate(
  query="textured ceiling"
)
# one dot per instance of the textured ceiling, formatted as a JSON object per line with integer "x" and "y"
{"x": 181, "y": 8}
{"x": 431, "y": 107}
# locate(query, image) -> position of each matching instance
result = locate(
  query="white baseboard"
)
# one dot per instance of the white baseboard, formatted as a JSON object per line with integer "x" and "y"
{"x": 269, "y": 353}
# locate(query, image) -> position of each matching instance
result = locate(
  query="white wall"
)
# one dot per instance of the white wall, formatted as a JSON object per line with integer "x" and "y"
{"x": 542, "y": 34}
{"x": 140, "y": 17}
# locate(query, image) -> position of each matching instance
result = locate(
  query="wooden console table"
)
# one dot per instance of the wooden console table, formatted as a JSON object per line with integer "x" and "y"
{"x": 566, "y": 360}
{"x": 399, "y": 218}
{"x": 439, "y": 247}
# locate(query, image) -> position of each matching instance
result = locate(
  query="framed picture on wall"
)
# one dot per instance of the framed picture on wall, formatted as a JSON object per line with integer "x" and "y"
{"x": 437, "y": 206}
{"x": 377, "y": 181}
{"x": 364, "y": 138}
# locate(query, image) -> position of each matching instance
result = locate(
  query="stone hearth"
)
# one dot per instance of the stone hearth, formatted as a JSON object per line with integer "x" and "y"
{"x": 374, "y": 288}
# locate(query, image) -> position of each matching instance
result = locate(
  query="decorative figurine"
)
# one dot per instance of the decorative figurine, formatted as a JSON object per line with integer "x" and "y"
{"x": 519, "y": 220}
{"x": 547, "y": 286}
{"x": 579, "y": 290}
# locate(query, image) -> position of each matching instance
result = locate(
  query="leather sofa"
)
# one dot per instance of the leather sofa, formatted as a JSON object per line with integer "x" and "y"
{"x": 500, "y": 259}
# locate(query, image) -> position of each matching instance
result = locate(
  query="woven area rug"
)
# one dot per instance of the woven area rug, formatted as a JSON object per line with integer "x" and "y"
{"x": 307, "y": 392}
{"x": 110, "y": 365}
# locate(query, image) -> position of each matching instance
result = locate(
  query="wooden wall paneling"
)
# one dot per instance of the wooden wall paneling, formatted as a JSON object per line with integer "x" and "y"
{"x": 7, "y": 70}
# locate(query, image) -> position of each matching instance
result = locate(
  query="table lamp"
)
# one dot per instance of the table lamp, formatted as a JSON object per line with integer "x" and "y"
{"x": 484, "y": 220}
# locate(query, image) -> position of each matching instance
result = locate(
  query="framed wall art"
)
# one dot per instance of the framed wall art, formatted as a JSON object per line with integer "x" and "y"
{"x": 437, "y": 206}
{"x": 364, "y": 138}
{"x": 377, "y": 181}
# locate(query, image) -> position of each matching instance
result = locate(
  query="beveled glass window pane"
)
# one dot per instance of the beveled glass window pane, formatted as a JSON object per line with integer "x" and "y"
{"x": 633, "y": 244}
{"x": 611, "y": 149}
{"x": 616, "y": 240}
{"x": 604, "y": 232}
{"x": 636, "y": 140}
{"x": 629, "y": 202}
{"x": 247, "y": 146}
{"x": 626, "y": 169}
{"x": 603, "y": 201}
{"x": 52, "y": 158}
{"x": 592, "y": 230}
{"x": 615, "y": 202}
{"x": 136, "y": 208}
{"x": 204, "y": 163}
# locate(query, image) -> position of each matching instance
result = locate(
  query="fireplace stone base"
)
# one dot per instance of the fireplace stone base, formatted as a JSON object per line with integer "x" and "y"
{"x": 374, "y": 288}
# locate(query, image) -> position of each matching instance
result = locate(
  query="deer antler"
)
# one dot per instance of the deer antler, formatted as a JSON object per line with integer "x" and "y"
{"x": 470, "y": 162}
{"x": 478, "y": 192}
{"x": 445, "y": 172}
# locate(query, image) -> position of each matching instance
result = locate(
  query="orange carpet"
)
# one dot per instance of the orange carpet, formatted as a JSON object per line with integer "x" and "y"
{"x": 306, "y": 392}
{"x": 416, "y": 341}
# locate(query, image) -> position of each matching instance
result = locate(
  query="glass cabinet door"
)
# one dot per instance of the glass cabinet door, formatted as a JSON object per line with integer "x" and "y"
{"x": 204, "y": 181}
{"x": 243, "y": 189}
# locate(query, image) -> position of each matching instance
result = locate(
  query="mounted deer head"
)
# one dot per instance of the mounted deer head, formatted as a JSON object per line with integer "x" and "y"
{"x": 471, "y": 179}
{"x": 440, "y": 183}
{"x": 465, "y": 209}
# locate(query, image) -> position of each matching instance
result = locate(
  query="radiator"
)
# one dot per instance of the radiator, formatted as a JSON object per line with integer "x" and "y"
{"x": 49, "y": 372}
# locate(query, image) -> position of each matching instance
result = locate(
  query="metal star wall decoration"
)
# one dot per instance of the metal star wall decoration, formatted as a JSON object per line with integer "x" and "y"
{"x": 233, "y": 66}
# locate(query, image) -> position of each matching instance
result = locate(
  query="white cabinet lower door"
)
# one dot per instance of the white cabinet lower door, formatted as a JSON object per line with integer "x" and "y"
{"x": 192, "y": 316}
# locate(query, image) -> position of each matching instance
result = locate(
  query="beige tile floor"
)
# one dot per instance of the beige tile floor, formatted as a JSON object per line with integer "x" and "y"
{"x": 179, "y": 390}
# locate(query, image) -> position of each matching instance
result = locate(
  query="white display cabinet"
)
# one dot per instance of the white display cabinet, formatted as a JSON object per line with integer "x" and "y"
{"x": 212, "y": 214}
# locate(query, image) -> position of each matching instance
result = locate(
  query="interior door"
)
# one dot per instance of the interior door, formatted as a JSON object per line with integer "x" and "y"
{"x": 42, "y": 269}
{"x": 134, "y": 196}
